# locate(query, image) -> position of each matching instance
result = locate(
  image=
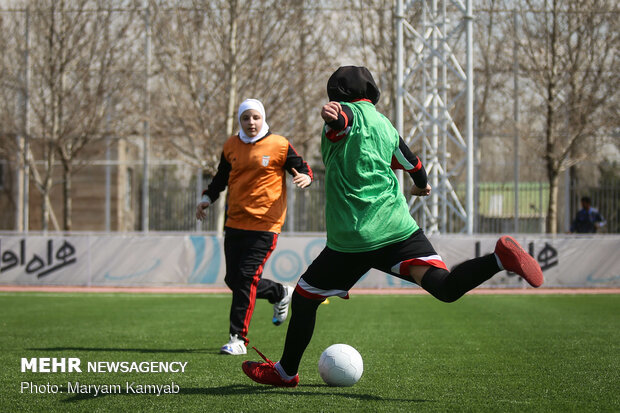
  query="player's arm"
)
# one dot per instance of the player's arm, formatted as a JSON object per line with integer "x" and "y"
{"x": 301, "y": 171}
{"x": 403, "y": 158}
{"x": 217, "y": 185}
{"x": 338, "y": 120}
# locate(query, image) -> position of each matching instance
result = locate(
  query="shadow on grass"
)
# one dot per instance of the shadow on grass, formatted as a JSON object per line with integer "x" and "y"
{"x": 302, "y": 390}
{"x": 129, "y": 350}
{"x": 244, "y": 389}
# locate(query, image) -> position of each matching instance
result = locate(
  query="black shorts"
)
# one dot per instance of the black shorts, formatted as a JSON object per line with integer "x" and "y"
{"x": 334, "y": 273}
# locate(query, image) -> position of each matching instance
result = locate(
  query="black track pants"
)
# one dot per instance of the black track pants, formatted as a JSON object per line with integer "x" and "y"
{"x": 246, "y": 254}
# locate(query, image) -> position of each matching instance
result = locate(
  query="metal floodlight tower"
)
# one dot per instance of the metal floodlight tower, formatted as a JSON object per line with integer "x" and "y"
{"x": 431, "y": 37}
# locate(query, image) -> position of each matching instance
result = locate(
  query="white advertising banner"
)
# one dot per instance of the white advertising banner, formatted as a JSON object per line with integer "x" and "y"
{"x": 198, "y": 260}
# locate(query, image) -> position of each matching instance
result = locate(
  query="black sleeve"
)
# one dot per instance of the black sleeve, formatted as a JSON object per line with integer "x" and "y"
{"x": 420, "y": 179}
{"x": 345, "y": 119}
{"x": 219, "y": 181}
{"x": 294, "y": 160}
{"x": 403, "y": 158}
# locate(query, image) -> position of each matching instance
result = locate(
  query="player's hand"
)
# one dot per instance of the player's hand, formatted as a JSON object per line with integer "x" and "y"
{"x": 301, "y": 180}
{"x": 330, "y": 111}
{"x": 200, "y": 210}
{"x": 421, "y": 191}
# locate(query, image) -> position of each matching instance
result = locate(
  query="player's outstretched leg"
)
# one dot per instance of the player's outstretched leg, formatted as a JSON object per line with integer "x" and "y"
{"x": 449, "y": 286}
{"x": 514, "y": 258}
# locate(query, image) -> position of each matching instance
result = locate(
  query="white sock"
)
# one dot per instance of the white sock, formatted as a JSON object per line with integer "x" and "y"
{"x": 499, "y": 263}
{"x": 282, "y": 373}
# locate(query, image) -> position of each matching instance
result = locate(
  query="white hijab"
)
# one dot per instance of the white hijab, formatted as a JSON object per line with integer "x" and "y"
{"x": 256, "y": 105}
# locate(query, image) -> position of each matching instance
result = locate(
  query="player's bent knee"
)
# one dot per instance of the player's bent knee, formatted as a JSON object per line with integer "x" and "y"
{"x": 450, "y": 297}
{"x": 437, "y": 282}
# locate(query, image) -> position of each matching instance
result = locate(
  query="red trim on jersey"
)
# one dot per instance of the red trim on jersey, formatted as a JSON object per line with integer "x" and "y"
{"x": 404, "y": 266}
{"x": 396, "y": 165}
{"x": 307, "y": 294}
{"x": 418, "y": 166}
{"x": 362, "y": 100}
{"x": 314, "y": 296}
{"x": 333, "y": 135}
{"x": 346, "y": 118}
{"x": 255, "y": 280}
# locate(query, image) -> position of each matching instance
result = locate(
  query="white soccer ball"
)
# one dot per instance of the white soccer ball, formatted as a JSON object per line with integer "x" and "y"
{"x": 341, "y": 365}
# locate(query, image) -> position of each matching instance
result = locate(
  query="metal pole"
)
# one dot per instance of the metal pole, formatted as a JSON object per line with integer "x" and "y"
{"x": 19, "y": 183}
{"x": 515, "y": 69}
{"x": 469, "y": 198}
{"x": 434, "y": 173}
{"x": 400, "y": 68}
{"x": 108, "y": 173}
{"x": 147, "y": 106}
{"x": 444, "y": 123}
{"x": 425, "y": 157}
{"x": 198, "y": 195}
{"x": 26, "y": 180}
{"x": 540, "y": 206}
{"x": 21, "y": 159}
{"x": 292, "y": 201}
{"x": 567, "y": 199}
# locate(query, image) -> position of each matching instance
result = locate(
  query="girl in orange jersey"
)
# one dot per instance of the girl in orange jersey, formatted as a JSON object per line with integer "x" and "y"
{"x": 253, "y": 165}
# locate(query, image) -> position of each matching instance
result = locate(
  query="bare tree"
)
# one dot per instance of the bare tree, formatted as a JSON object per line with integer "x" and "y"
{"x": 13, "y": 109}
{"x": 11, "y": 98}
{"x": 571, "y": 57}
{"x": 96, "y": 43}
{"x": 74, "y": 75}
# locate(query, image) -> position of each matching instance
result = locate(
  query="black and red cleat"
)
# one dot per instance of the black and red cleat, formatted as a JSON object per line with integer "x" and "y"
{"x": 514, "y": 258}
{"x": 266, "y": 373}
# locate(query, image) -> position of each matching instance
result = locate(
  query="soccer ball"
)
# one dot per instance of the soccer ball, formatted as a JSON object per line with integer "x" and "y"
{"x": 341, "y": 365}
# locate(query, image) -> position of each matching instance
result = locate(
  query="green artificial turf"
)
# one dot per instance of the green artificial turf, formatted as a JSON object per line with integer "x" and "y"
{"x": 498, "y": 353}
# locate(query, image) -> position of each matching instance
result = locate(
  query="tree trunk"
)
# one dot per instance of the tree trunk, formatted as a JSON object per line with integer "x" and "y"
{"x": 553, "y": 165}
{"x": 45, "y": 208}
{"x": 46, "y": 187}
{"x": 552, "y": 211}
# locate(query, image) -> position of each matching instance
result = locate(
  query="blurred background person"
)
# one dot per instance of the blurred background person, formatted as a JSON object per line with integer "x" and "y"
{"x": 588, "y": 220}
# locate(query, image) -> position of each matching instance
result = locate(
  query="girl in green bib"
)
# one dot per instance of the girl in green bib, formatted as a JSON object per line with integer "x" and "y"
{"x": 369, "y": 224}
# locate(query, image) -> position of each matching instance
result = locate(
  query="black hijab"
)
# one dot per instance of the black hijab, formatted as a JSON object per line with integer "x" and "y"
{"x": 350, "y": 83}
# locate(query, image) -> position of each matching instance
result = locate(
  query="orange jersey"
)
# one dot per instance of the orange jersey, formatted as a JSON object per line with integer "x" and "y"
{"x": 256, "y": 184}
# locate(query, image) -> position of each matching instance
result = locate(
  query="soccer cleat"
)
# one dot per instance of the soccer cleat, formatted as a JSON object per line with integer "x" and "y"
{"x": 235, "y": 347}
{"x": 280, "y": 309}
{"x": 266, "y": 373}
{"x": 514, "y": 258}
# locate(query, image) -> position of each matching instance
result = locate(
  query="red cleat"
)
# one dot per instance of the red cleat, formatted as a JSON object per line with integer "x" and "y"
{"x": 266, "y": 373}
{"x": 514, "y": 258}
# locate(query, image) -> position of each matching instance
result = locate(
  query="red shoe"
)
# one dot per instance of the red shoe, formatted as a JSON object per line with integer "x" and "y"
{"x": 514, "y": 258}
{"x": 266, "y": 373}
